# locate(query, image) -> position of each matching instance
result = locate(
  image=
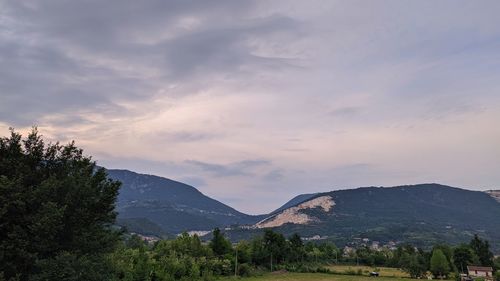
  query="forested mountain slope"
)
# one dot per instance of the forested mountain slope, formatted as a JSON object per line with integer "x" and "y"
{"x": 421, "y": 214}
{"x": 172, "y": 205}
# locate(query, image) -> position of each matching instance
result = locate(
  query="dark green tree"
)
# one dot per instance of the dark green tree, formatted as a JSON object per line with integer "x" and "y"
{"x": 413, "y": 264}
{"x": 276, "y": 246}
{"x": 219, "y": 244}
{"x": 462, "y": 257}
{"x": 296, "y": 248}
{"x": 56, "y": 208}
{"x": 482, "y": 249}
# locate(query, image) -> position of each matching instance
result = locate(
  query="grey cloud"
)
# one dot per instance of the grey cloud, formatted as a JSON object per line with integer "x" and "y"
{"x": 251, "y": 163}
{"x": 294, "y": 83}
{"x": 242, "y": 168}
{"x": 56, "y": 53}
{"x": 97, "y": 24}
{"x": 194, "y": 181}
{"x": 347, "y": 111}
{"x": 223, "y": 49}
{"x": 41, "y": 81}
{"x": 274, "y": 175}
{"x": 217, "y": 169}
{"x": 185, "y": 136}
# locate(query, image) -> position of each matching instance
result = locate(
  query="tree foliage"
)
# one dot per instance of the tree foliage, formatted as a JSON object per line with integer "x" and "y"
{"x": 219, "y": 244}
{"x": 55, "y": 211}
{"x": 463, "y": 256}
{"x": 482, "y": 250}
{"x": 439, "y": 264}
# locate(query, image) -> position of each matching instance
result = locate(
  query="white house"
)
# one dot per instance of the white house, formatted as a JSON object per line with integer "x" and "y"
{"x": 480, "y": 271}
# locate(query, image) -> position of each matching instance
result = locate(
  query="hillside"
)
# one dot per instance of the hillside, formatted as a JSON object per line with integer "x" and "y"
{"x": 172, "y": 205}
{"x": 294, "y": 201}
{"x": 495, "y": 194}
{"x": 421, "y": 214}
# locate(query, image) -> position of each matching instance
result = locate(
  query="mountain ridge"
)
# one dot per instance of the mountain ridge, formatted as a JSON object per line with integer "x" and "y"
{"x": 413, "y": 213}
{"x": 421, "y": 214}
{"x": 173, "y": 205}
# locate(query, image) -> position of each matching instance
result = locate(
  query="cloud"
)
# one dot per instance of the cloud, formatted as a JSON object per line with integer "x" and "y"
{"x": 265, "y": 98}
{"x": 274, "y": 175}
{"x": 241, "y": 168}
{"x": 194, "y": 181}
{"x": 76, "y": 58}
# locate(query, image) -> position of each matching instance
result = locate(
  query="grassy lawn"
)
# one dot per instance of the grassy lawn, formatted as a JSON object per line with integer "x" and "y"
{"x": 384, "y": 271}
{"x": 315, "y": 277}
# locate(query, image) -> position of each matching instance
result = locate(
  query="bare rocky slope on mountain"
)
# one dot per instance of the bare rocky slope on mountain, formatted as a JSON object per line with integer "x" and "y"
{"x": 423, "y": 214}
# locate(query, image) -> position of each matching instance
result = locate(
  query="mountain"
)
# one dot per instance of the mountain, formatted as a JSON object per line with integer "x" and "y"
{"x": 495, "y": 194}
{"x": 423, "y": 214}
{"x": 142, "y": 226}
{"x": 173, "y": 206}
{"x": 294, "y": 201}
{"x": 420, "y": 214}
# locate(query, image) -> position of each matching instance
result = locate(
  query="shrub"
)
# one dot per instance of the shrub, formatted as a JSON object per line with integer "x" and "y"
{"x": 245, "y": 270}
{"x": 497, "y": 276}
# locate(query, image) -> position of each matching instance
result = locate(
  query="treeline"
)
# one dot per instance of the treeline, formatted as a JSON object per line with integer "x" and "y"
{"x": 443, "y": 259}
{"x": 187, "y": 258}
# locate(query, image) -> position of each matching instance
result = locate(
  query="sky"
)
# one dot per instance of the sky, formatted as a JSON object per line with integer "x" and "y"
{"x": 255, "y": 102}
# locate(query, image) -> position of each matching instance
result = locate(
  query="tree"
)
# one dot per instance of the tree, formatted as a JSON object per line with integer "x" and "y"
{"x": 296, "y": 247}
{"x": 482, "y": 249}
{"x": 219, "y": 244}
{"x": 462, "y": 257}
{"x": 56, "y": 208}
{"x": 448, "y": 253}
{"x": 439, "y": 264}
{"x": 413, "y": 264}
{"x": 275, "y": 244}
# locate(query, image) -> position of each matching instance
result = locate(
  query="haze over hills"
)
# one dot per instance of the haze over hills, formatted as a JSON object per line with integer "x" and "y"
{"x": 422, "y": 214}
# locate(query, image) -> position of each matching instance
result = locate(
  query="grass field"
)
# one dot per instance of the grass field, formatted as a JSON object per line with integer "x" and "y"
{"x": 315, "y": 277}
{"x": 384, "y": 271}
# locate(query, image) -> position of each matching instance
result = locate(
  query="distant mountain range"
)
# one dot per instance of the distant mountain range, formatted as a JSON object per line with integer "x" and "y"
{"x": 147, "y": 200}
{"x": 420, "y": 214}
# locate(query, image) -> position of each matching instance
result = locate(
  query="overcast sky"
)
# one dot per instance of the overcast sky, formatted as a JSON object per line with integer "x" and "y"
{"x": 254, "y": 102}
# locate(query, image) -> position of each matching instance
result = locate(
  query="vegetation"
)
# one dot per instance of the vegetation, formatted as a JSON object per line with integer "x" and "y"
{"x": 315, "y": 277}
{"x": 56, "y": 209}
{"x": 365, "y": 270}
{"x": 439, "y": 264}
{"x": 187, "y": 258}
{"x": 57, "y": 223}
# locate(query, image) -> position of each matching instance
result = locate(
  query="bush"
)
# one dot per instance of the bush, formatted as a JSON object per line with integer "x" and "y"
{"x": 245, "y": 270}
{"x": 497, "y": 276}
